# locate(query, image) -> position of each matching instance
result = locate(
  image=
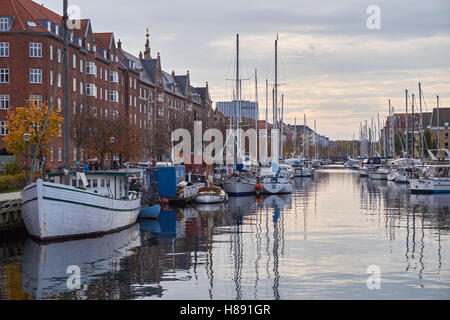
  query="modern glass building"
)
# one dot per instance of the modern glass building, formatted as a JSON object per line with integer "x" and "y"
{"x": 245, "y": 109}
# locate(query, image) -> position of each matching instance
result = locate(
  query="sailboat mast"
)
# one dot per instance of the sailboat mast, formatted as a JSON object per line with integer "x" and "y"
{"x": 275, "y": 95}
{"x": 236, "y": 120}
{"x": 295, "y": 136}
{"x": 267, "y": 115}
{"x": 257, "y": 113}
{"x": 438, "y": 138}
{"x": 282, "y": 126}
{"x": 407, "y": 128}
{"x": 66, "y": 94}
{"x": 422, "y": 154}
{"x": 413, "y": 127}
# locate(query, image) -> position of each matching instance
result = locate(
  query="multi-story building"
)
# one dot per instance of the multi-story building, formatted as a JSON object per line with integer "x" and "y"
{"x": 245, "y": 109}
{"x": 103, "y": 77}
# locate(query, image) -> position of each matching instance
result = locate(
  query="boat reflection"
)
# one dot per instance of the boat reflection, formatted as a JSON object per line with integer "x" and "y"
{"x": 45, "y": 266}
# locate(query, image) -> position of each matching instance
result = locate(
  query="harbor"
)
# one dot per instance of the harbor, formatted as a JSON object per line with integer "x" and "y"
{"x": 315, "y": 243}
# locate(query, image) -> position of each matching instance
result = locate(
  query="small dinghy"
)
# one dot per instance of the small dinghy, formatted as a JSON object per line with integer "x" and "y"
{"x": 211, "y": 194}
{"x": 150, "y": 212}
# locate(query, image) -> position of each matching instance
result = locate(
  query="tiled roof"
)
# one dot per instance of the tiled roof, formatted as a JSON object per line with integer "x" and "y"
{"x": 104, "y": 40}
{"x": 444, "y": 116}
{"x": 22, "y": 12}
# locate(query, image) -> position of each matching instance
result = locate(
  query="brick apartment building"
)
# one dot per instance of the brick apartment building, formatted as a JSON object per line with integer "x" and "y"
{"x": 102, "y": 76}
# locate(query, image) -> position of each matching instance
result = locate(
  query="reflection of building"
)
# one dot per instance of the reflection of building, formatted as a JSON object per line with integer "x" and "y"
{"x": 245, "y": 109}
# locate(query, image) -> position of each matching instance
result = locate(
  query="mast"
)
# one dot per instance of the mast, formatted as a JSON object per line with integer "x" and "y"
{"x": 236, "y": 120}
{"x": 315, "y": 141}
{"x": 276, "y": 85}
{"x": 406, "y": 133}
{"x": 282, "y": 125}
{"x": 413, "y": 126}
{"x": 379, "y": 134}
{"x": 438, "y": 138}
{"x": 66, "y": 95}
{"x": 267, "y": 116}
{"x": 257, "y": 113}
{"x": 422, "y": 154}
{"x": 304, "y": 135}
{"x": 295, "y": 136}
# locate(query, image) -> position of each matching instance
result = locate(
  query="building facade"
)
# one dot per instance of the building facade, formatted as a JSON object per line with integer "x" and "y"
{"x": 103, "y": 79}
{"x": 245, "y": 109}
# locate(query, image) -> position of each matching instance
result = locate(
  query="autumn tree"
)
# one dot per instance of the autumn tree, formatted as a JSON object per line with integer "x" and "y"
{"x": 36, "y": 120}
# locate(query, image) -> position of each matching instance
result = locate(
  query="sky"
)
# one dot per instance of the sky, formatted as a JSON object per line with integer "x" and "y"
{"x": 332, "y": 67}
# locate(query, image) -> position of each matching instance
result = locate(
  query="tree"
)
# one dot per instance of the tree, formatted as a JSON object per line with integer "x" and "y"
{"x": 31, "y": 119}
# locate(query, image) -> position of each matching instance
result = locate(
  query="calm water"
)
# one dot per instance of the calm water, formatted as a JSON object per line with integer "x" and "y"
{"x": 314, "y": 244}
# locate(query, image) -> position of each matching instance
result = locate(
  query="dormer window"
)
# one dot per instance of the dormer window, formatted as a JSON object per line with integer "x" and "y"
{"x": 88, "y": 46}
{"x": 31, "y": 24}
{"x": 4, "y": 24}
{"x": 57, "y": 29}
{"x": 95, "y": 48}
{"x": 80, "y": 42}
{"x": 49, "y": 26}
{"x": 104, "y": 54}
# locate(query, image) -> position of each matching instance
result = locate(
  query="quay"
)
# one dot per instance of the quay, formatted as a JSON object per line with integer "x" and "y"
{"x": 10, "y": 212}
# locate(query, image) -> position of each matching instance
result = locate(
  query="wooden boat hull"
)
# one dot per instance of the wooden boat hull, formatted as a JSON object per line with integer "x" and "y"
{"x": 53, "y": 211}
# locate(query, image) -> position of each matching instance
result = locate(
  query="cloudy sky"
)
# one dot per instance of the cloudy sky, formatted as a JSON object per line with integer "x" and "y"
{"x": 332, "y": 67}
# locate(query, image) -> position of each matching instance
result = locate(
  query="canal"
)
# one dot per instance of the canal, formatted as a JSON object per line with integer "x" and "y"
{"x": 338, "y": 236}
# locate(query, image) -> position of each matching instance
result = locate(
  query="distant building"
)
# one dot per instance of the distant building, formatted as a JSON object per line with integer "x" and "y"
{"x": 245, "y": 109}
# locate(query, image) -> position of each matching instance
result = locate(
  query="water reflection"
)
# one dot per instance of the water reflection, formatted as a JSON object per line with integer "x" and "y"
{"x": 313, "y": 244}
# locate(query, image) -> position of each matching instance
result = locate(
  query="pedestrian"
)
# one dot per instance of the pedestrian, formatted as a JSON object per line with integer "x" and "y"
{"x": 96, "y": 166}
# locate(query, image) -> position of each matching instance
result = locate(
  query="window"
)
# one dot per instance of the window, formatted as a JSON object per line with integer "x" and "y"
{"x": 74, "y": 85}
{"x": 51, "y": 77}
{"x": 36, "y": 76}
{"x": 4, "y": 49}
{"x": 3, "y": 129}
{"x": 4, "y": 24}
{"x": 52, "y": 154}
{"x": 101, "y": 73}
{"x": 114, "y": 96}
{"x": 91, "y": 68}
{"x": 135, "y": 84}
{"x": 59, "y": 104}
{"x": 74, "y": 183}
{"x": 59, "y": 154}
{"x": 91, "y": 90}
{"x": 102, "y": 184}
{"x": 59, "y": 131}
{"x": 59, "y": 55}
{"x": 74, "y": 61}
{"x": 81, "y": 66}
{"x": 4, "y": 75}
{"x": 59, "y": 80}
{"x": 36, "y": 100}
{"x": 114, "y": 76}
{"x": 31, "y": 24}
{"x": 74, "y": 107}
{"x": 51, "y": 52}
{"x": 95, "y": 183}
{"x": 4, "y": 101}
{"x": 75, "y": 154}
{"x": 35, "y": 50}
{"x": 106, "y": 95}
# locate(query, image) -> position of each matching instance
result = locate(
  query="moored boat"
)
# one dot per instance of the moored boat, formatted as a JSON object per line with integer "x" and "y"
{"x": 93, "y": 206}
{"x": 150, "y": 212}
{"x": 436, "y": 179}
{"x": 210, "y": 194}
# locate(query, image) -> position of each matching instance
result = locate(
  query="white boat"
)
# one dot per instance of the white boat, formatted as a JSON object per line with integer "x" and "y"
{"x": 210, "y": 194}
{"x": 186, "y": 193}
{"x": 277, "y": 185}
{"x": 436, "y": 179}
{"x": 240, "y": 184}
{"x": 380, "y": 174}
{"x": 56, "y": 211}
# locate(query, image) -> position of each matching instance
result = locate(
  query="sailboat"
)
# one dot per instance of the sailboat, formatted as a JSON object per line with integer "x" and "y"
{"x": 84, "y": 204}
{"x": 240, "y": 182}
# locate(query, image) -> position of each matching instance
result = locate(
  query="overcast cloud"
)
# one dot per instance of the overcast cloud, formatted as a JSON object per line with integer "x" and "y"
{"x": 332, "y": 67}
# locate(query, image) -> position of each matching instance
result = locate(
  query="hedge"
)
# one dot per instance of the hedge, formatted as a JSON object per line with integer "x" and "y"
{"x": 9, "y": 183}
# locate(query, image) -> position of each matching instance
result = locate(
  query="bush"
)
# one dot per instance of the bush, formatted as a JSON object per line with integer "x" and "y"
{"x": 12, "y": 168}
{"x": 11, "y": 183}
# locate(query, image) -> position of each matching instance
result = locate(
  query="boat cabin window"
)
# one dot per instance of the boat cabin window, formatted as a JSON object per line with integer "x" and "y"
{"x": 74, "y": 183}
{"x": 89, "y": 183}
{"x": 108, "y": 183}
{"x": 94, "y": 183}
{"x": 102, "y": 183}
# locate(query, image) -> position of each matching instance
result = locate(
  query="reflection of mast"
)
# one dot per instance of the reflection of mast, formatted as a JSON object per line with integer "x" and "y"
{"x": 258, "y": 252}
{"x": 238, "y": 260}
{"x": 276, "y": 280}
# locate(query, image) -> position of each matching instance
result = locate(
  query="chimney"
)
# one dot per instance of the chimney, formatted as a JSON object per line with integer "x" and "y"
{"x": 173, "y": 73}
{"x": 119, "y": 44}
{"x": 140, "y": 55}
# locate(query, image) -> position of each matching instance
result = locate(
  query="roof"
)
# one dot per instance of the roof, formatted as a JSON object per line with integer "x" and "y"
{"x": 104, "y": 40}
{"x": 23, "y": 11}
{"x": 444, "y": 117}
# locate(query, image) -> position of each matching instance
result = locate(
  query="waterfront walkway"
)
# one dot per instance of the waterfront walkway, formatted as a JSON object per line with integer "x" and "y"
{"x": 4, "y": 197}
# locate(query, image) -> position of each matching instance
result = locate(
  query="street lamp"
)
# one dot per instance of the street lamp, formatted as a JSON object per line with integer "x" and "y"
{"x": 112, "y": 140}
{"x": 26, "y": 137}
